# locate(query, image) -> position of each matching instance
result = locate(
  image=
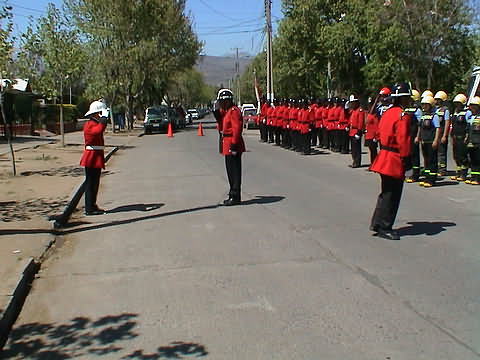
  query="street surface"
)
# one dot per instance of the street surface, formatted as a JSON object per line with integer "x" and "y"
{"x": 293, "y": 273}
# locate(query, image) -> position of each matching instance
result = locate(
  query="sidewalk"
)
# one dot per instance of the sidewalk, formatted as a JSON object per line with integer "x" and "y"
{"x": 47, "y": 174}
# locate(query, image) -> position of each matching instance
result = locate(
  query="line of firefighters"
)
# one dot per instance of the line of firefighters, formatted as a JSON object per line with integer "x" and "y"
{"x": 339, "y": 125}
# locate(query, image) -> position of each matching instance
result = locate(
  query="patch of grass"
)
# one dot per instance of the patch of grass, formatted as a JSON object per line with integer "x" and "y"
{"x": 46, "y": 157}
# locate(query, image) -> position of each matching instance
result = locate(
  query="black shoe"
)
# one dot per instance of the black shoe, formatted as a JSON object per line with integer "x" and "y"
{"x": 94, "y": 212}
{"x": 388, "y": 234}
{"x": 231, "y": 202}
{"x": 373, "y": 228}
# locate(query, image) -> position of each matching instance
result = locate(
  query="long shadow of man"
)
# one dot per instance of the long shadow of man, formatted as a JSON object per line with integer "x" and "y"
{"x": 425, "y": 228}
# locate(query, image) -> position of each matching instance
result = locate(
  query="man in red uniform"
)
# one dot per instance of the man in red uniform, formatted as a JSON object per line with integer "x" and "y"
{"x": 230, "y": 126}
{"x": 392, "y": 161}
{"x": 93, "y": 156}
{"x": 357, "y": 123}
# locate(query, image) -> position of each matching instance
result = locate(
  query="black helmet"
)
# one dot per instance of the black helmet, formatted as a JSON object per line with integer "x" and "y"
{"x": 401, "y": 89}
{"x": 224, "y": 94}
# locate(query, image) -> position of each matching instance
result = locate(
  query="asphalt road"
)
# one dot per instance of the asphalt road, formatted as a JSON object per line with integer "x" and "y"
{"x": 293, "y": 273}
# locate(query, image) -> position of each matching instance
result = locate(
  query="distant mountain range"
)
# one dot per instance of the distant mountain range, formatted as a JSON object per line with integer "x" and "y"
{"x": 219, "y": 70}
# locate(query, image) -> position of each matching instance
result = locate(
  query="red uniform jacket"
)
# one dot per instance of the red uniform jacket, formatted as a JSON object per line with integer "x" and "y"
{"x": 93, "y": 136}
{"x": 319, "y": 117}
{"x": 344, "y": 120}
{"x": 332, "y": 113}
{"x": 394, "y": 130}
{"x": 263, "y": 112}
{"x": 231, "y": 126}
{"x": 357, "y": 121}
{"x": 270, "y": 115}
{"x": 293, "y": 118}
{"x": 372, "y": 127}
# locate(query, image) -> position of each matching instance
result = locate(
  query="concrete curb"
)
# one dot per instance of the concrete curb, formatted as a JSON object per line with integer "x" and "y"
{"x": 14, "y": 306}
{"x": 22, "y": 288}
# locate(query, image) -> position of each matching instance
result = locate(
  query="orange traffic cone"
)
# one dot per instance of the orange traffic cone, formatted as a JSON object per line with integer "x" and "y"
{"x": 169, "y": 131}
{"x": 200, "y": 130}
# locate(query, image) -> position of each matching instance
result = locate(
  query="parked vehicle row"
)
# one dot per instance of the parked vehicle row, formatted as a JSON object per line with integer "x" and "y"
{"x": 196, "y": 114}
{"x": 157, "y": 119}
{"x": 249, "y": 114}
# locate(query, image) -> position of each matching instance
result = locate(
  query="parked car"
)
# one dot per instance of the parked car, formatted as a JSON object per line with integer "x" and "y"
{"x": 194, "y": 114}
{"x": 250, "y": 118}
{"x": 157, "y": 119}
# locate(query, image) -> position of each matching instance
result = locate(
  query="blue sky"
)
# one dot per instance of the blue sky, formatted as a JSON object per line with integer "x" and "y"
{"x": 221, "y": 24}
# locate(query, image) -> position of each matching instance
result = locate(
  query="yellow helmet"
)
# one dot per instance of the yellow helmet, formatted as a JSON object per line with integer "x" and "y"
{"x": 427, "y": 93}
{"x": 415, "y": 95}
{"x": 461, "y": 98}
{"x": 441, "y": 95}
{"x": 428, "y": 100}
{"x": 475, "y": 101}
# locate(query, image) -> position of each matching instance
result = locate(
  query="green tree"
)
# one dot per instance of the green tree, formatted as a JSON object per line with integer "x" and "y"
{"x": 189, "y": 89}
{"x": 136, "y": 47}
{"x": 51, "y": 54}
{"x": 6, "y": 46}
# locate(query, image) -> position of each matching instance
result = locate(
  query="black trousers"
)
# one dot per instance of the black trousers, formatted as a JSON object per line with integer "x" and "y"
{"x": 356, "y": 151}
{"x": 387, "y": 203}
{"x": 415, "y": 149}
{"x": 233, "y": 164}
{"x": 270, "y": 131}
{"x": 92, "y": 182}
{"x": 430, "y": 158}
{"x": 460, "y": 154}
{"x": 442, "y": 156}
{"x": 314, "y": 136}
{"x": 263, "y": 132}
{"x": 373, "y": 148}
{"x": 474, "y": 153}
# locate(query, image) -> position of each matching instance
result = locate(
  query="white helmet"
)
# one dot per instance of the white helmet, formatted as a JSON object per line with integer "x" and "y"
{"x": 352, "y": 98}
{"x": 98, "y": 107}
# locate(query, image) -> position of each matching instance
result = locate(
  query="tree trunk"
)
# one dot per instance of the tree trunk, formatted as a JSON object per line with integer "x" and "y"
{"x": 62, "y": 124}
{"x": 129, "y": 110}
{"x": 8, "y": 134}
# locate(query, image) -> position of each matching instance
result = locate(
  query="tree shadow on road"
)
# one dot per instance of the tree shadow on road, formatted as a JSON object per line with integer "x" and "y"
{"x": 83, "y": 337}
{"x": 424, "y": 228}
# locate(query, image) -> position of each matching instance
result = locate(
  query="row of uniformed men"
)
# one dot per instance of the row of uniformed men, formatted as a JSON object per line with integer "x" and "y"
{"x": 337, "y": 123}
{"x": 298, "y": 125}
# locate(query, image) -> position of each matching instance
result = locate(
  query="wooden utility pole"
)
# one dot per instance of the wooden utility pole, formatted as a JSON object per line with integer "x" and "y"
{"x": 268, "y": 21}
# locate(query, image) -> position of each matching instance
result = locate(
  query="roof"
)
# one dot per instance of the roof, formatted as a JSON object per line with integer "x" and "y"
{"x": 18, "y": 84}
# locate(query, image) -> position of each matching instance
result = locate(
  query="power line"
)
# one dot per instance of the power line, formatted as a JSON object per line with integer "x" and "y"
{"x": 216, "y": 11}
{"x": 28, "y": 8}
{"x": 231, "y": 32}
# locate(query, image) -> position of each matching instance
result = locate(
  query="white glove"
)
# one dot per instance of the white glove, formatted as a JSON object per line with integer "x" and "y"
{"x": 357, "y": 137}
{"x": 347, "y": 129}
{"x": 374, "y": 140}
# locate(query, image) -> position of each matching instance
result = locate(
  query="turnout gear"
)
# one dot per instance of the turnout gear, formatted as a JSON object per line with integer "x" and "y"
{"x": 460, "y": 98}
{"x": 415, "y": 95}
{"x": 428, "y": 100}
{"x": 474, "y": 148}
{"x": 427, "y": 93}
{"x": 442, "y": 95}
{"x": 459, "y": 135}
{"x": 385, "y": 91}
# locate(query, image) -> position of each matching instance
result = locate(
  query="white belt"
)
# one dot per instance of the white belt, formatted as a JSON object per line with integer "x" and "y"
{"x": 94, "y": 147}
